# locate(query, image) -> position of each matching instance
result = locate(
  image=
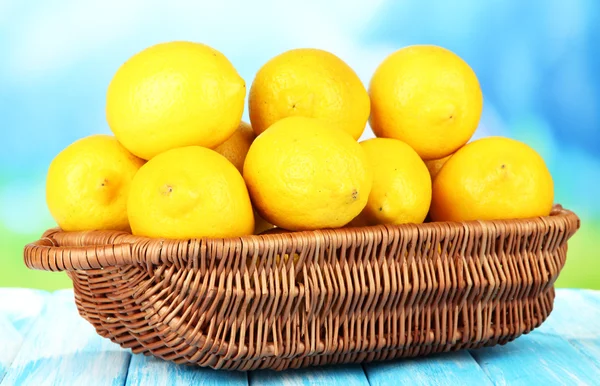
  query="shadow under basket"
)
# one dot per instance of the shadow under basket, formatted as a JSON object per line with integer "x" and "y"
{"x": 300, "y": 299}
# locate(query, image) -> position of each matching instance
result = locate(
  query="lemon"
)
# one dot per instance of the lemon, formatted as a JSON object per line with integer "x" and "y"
{"x": 236, "y": 147}
{"x": 311, "y": 83}
{"x": 172, "y": 95}
{"x": 492, "y": 178}
{"x": 189, "y": 192}
{"x": 304, "y": 173}
{"x": 401, "y": 191}
{"x": 235, "y": 150}
{"x": 428, "y": 97}
{"x": 435, "y": 165}
{"x": 88, "y": 183}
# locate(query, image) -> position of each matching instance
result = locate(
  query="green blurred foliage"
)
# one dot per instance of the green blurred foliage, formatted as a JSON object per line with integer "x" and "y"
{"x": 14, "y": 273}
{"x": 582, "y": 269}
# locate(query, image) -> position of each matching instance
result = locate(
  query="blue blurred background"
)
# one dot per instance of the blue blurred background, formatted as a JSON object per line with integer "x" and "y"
{"x": 537, "y": 62}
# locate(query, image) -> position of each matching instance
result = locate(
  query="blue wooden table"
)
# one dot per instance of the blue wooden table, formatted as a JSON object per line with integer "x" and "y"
{"x": 43, "y": 341}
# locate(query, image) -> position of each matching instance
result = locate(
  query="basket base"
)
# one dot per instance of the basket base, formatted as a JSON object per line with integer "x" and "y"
{"x": 476, "y": 326}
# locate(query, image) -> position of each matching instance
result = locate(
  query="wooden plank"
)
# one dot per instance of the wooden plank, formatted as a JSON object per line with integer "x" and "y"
{"x": 21, "y": 306}
{"x": 151, "y": 371}
{"x": 590, "y": 348}
{"x": 347, "y": 375}
{"x": 537, "y": 359}
{"x": 62, "y": 348}
{"x": 575, "y": 315}
{"x": 10, "y": 341}
{"x": 455, "y": 368}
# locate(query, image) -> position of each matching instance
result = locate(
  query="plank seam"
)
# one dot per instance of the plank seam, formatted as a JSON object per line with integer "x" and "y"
{"x": 127, "y": 369}
{"x": 362, "y": 366}
{"x": 483, "y": 369}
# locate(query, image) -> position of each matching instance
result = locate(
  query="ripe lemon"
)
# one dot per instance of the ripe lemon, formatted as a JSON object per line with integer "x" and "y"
{"x": 310, "y": 83}
{"x": 435, "y": 165}
{"x": 172, "y": 95}
{"x": 428, "y": 97}
{"x": 492, "y": 178}
{"x": 189, "y": 192}
{"x": 303, "y": 173}
{"x": 236, "y": 147}
{"x": 88, "y": 183}
{"x": 401, "y": 191}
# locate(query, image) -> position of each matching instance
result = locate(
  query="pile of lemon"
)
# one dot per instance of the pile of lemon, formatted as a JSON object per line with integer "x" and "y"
{"x": 182, "y": 164}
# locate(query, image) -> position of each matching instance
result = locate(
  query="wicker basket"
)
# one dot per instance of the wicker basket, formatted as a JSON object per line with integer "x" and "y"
{"x": 346, "y": 295}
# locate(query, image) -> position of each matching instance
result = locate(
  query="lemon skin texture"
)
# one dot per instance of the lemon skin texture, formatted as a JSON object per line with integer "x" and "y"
{"x": 172, "y": 95}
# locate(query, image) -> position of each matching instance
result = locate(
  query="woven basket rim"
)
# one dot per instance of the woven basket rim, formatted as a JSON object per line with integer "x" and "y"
{"x": 58, "y": 244}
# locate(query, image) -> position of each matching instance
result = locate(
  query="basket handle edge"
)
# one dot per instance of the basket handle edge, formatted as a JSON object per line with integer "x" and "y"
{"x": 44, "y": 255}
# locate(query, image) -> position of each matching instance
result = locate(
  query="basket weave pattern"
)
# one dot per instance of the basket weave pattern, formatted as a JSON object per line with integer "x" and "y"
{"x": 311, "y": 298}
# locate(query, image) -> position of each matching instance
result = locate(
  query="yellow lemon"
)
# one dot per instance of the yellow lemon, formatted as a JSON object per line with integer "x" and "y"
{"x": 401, "y": 191}
{"x": 189, "y": 192}
{"x": 172, "y": 95}
{"x": 286, "y": 257}
{"x": 310, "y": 83}
{"x": 88, "y": 183}
{"x": 428, "y": 97}
{"x": 236, "y": 147}
{"x": 492, "y": 178}
{"x": 235, "y": 150}
{"x": 435, "y": 165}
{"x": 303, "y": 173}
